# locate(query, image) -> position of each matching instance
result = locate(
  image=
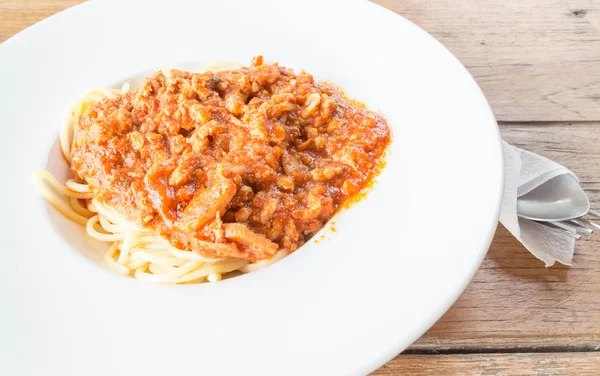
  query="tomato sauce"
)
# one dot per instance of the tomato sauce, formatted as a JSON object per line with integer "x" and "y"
{"x": 238, "y": 163}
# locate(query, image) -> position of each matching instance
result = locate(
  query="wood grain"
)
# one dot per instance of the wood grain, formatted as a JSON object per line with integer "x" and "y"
{"x": 17, "y": 15}
{"x": 576, "y": 364}
{"x": 535, "y": 60}
{"x": 538, "y": 62}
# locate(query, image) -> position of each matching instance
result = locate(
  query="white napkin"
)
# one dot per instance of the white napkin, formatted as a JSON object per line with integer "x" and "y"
{"x": 523, "y": 172}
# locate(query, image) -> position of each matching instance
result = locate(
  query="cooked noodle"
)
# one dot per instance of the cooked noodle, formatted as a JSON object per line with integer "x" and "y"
{"x": 133, "y": 251}
{"x": 236, "y": 168}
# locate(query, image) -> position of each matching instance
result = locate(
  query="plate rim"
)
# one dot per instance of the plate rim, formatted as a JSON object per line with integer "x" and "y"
{"x": 492, "y": 229}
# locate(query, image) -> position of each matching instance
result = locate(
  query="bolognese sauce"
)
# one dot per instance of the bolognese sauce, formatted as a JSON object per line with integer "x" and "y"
{"x": 231, "y": 164}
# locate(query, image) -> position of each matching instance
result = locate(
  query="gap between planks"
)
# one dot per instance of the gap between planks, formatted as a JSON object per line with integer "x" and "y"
{"x": 535, "y": 123}
{"x": 520, "y": 349}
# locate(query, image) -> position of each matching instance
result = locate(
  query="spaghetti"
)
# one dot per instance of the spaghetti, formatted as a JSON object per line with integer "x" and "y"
{"x": 194, "y": 176}
{"x": 133, "y": 251}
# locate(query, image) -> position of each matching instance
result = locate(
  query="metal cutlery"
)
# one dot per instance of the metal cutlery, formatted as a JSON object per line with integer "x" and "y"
{"x": 560, "y": 204}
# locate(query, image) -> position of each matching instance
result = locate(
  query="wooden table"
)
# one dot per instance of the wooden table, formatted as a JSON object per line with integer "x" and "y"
{"x": 538, "y": 61}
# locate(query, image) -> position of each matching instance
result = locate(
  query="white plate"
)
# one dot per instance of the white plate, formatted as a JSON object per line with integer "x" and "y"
{"x": 346, "y": 305}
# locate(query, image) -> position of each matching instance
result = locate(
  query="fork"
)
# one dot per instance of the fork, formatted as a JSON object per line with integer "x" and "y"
{"x": 573, "y": 227}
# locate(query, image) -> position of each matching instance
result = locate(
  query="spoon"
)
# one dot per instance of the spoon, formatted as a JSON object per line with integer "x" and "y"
{"x": 559, "y": 199}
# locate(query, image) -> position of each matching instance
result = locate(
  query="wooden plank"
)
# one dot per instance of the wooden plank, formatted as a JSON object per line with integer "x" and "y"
{"x": 534, "y": 59}
{"x": 15, "y": 16}
{"x": 513, "y": 299}
{"x": 576, "y": 364}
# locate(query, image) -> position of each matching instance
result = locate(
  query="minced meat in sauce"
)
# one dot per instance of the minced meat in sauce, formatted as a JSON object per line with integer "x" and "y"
{"x": 237, "y": 163}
